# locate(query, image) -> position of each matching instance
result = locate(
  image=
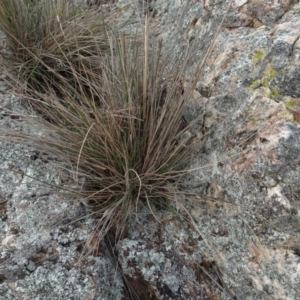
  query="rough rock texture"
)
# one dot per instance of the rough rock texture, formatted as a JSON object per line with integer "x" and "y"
{"x": 40, "y": 256}
{"x": 247, "y": 239}
{"x": 244, "y": 242}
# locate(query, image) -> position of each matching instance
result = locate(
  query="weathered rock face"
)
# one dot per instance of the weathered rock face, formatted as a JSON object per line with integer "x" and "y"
{"x": 248, "y": 233}
{"x": 244, "y": 240}
{"x": 39, "y": 259}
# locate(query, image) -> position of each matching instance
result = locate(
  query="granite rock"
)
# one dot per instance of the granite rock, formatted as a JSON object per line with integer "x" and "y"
{"x": 239, "y": 238}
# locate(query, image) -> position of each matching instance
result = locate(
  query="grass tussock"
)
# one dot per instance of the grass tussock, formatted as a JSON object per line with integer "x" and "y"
{"x": 113, "y": 105}
{"x": 47, "y": 38}
{"x": 126, "y": 138}
{"x": 116, "y": 115}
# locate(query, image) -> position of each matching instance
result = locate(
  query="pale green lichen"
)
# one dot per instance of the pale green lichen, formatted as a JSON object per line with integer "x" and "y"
{"x": 258, "y": 56}
{"x": 265, "y": 82}
{"x": 291, "y": 104}
{"x": 274, "y": 94}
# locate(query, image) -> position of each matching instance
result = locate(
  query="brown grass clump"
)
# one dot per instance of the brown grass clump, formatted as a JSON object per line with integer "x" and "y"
{"x": 113, "y": 105}
{"x": 112, "y": 102}
{"x": 126, "y": 138}
{"x": 47, "y": 39}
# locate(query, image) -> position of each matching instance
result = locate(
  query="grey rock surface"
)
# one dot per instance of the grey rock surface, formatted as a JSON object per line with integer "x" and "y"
{"x": 244, "y": 240}
{"x": 246, "y": 230}
{"x": 40, "y": 256}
